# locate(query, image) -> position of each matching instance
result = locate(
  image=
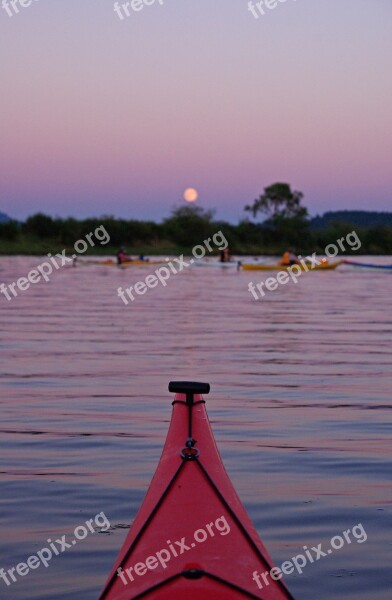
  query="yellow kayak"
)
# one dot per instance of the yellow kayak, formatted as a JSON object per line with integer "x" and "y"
{"x": 327, "y": 266}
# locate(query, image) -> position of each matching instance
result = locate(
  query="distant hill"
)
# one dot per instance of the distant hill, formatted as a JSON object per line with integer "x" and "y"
{"x": 359, "y": 218}
{"x": 4, "y": 218}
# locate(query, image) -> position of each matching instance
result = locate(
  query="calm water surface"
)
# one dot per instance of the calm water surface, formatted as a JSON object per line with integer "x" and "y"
{"x": 300, "y": 406}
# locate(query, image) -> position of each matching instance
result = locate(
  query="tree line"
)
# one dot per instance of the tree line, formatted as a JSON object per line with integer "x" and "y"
{"x": 285, "y": 224}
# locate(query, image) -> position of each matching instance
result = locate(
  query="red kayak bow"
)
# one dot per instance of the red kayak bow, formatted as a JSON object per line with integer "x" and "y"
{"x": 192, "y": 538}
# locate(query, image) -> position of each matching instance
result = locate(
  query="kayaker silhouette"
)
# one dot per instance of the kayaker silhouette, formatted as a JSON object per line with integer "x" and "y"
{"x": 122, "y": 256}
{"x": 289, "y": 258}
{"x": 224, "y": 255}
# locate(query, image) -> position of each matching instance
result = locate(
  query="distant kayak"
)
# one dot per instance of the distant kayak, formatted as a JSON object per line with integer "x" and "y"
{"x": 367, "y": 265}
{"x": 232, "y": 264}
{"x": 192, "y": 538}
{"x": 265, "y": 267}
{"x": 113, "y": 263}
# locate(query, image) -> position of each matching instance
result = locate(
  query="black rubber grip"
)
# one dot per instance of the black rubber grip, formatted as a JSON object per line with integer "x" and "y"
{"x": 189, "y": 387}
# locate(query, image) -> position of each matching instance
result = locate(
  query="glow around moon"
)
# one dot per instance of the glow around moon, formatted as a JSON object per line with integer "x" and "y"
{"x": 190, "y": 195}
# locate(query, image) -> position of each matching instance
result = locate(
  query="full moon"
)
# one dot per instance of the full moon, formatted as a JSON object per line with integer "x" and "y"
{"x": 190, "y": 195}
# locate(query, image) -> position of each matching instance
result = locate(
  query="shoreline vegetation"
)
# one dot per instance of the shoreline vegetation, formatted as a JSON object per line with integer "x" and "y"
{"x": 286, "y": 225}
{"x": 41, "y": 234}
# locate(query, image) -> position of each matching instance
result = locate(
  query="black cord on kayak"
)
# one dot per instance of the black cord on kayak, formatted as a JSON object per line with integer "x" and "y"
{"x": 189, "y": 452}
{"x": 189, "y": 388}
{"x": 142, "y": 530}
{"x": 242, "y": 528}
{"x": 189, "y": 400}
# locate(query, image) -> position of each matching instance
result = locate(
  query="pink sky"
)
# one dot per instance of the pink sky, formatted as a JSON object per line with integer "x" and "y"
{"x": 101, "y": 115}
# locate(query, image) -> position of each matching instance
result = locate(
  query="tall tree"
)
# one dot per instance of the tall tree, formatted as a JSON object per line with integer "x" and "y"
{"x": 279, "y": 202}
{"x": 287, "y": 221}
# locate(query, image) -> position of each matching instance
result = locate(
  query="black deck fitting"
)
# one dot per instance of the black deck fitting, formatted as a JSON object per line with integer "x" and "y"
{"x": 193, "y": 573}
{"x": 189, "y": 387}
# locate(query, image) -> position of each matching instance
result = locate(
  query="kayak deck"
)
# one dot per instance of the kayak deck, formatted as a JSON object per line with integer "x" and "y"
{"x": 367, "y": 265}
{"x": 217, "y": 264}
{"x": 264, "y": 267}
{"x": 192, "y": 537}
{"x": 113, "y": 263}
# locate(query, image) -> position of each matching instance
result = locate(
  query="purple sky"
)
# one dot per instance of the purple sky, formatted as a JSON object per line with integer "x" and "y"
{"x": 107, "y": 116}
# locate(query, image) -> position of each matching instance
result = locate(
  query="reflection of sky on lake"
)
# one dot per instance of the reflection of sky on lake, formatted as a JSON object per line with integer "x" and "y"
{"x": 300, "y": 406}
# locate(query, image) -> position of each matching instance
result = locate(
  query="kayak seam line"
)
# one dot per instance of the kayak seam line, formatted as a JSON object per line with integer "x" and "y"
{"x": 242, "y": 528}
{"x": 142, "y": 530}
{"x": 205, "y": 573}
